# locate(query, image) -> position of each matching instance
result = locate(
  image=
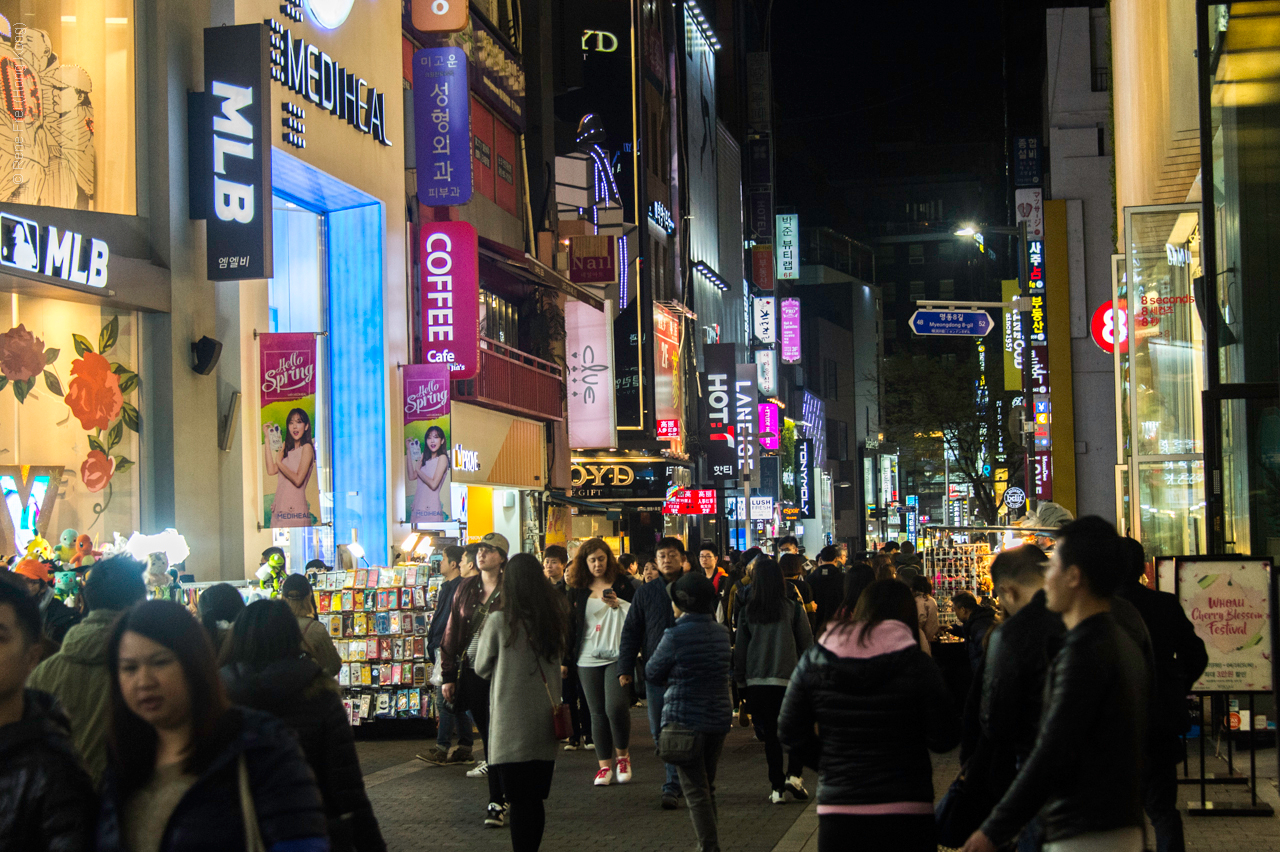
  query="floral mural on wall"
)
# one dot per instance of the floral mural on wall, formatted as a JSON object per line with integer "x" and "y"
{"x": 96, "y": 396}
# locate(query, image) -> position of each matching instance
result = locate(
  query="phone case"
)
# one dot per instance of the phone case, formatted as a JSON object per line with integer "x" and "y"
{"x": 420, "y": 647}
{"x": 371, "y": 649}
{"x": 398, "y": 577}
{"x": 385, "y": 674}
{"x": 370, "y": 600}
{"x": 371, "y": 578}
{"x": 348, "y": 602}
{"x": 366, "y": 706}
{"x": 419, "y": 597}
{"x": 348, "y": 625}
{"x": 411, "y": 575}
{"x": 396, "y": 671}
{"x": 344, "y": 651}
{"x": 395, "y": 621}
{"x": 362, "y": 577}
{"x": 335, "y": 626}
{"x": 344, "y": 675}
{"x": 349, "y": 580}
{"x": 415, "y": 702}
{"x": 397, "y": 649}
{"x": 384, "y": 704}
{"x": 421, "y": 621}
{"x": 402, "y": 701}
{"x": 384, "y": 648}
{"x": 419, "y": 674}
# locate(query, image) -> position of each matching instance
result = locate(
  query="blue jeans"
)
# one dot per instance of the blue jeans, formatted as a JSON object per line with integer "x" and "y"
{"x": 448, "y": 722}
{"x": 653, "y": 704}
{"x": 1032, "y": 837}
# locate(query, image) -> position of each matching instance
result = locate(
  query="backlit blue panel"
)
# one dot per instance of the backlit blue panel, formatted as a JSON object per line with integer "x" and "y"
{"x": 357, "y": 379}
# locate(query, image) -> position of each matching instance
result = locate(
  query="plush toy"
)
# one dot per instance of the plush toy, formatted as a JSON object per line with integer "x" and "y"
{"x": 35, "y": 569}
{"x": 66, "y": 549}
{"x": 157, "y": 573}
{"x": 39, "y": 549}
{"x": 85, "y": 554}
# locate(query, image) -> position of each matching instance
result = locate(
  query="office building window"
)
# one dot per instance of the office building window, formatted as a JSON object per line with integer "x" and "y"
{"x": 830, "y": 379}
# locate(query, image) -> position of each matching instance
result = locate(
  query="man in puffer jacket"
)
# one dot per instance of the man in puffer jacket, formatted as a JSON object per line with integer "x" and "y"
{"x": 78, "y": 676}
{"x": 692, "y": 663}
{"x": 46, "y": 798}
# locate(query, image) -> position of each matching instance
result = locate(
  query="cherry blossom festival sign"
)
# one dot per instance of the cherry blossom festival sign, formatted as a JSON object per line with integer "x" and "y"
{"x": 1229, "y": 603}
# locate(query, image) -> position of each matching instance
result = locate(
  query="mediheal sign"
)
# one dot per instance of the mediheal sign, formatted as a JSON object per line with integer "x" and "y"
{"x": 236, "y": 182}
{"x": 450, "y": 303}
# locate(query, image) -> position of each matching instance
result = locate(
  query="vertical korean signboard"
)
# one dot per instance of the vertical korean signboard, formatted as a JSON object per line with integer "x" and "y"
{"x": 442, "y": 126}
{"x": 718, "y": 405}
{"x": 287, "y": 374}
{"x": 762, "y": 266}
{"x": 790, "y": 327}
{"x": 450, "y": 297}
{"x": 667, "y": 392}
{"x": 237, "y": 86}
{"x": 764, "y": 319}
{"x": 589, "y": 355}
{"x": 787, "y": 246}
{"x": 770, "y": 431}
{"x": 427, "y": 441}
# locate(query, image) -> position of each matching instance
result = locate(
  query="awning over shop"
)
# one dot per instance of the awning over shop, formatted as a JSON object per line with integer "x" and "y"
{"x": 536, "y": 273}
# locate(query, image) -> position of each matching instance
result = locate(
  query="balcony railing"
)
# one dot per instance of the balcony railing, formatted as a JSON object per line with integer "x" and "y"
{"x": 512, "y": 381}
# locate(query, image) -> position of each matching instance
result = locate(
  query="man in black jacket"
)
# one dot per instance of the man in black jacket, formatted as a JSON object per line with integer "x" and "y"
{"x": 1180, "y": 659}
{"x": 1084, "y": 774}
{"x": 648, "y": 619}
{"x": 1018, "y": 656}
{"x": 46, "y": 797}
{"x": 827, "y": 583}
{"x": 451, "y": 567}
{"x": 975, "y": 621}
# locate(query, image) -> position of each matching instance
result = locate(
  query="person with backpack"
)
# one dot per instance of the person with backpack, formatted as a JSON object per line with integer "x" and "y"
{"x": 263, "y": 668}
{"x": 772, "y": 633}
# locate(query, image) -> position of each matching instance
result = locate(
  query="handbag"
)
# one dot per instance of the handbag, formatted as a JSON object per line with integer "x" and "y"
{"x": 561, "y": 723}
{"x": 677, "y": 744}
{"x": 961, "y": 810}
{"x": 605, "y": 641}
{"x": 252, "y": 833}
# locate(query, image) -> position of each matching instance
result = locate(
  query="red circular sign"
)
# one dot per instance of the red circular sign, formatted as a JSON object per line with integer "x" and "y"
{"x": 1109, "y": 325}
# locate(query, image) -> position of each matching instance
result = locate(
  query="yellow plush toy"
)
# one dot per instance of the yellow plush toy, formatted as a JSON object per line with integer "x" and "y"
{"x": 39, "y": 549}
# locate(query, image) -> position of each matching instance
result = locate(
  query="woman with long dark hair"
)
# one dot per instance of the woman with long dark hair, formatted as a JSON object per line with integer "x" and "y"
{"x": 219, "y": 606}
{"x": 871, "y": 706}
{"x": 265, "y": 668}
{"x": 292, "y": 464}
{"x": 188, "y": 772}
{"x": 856, "y": 579}
{"x": 599, "y": 597}
{"x": 296, "y": 592}
{"x": 773, "y": 631}
{"x": 520, "y": 652}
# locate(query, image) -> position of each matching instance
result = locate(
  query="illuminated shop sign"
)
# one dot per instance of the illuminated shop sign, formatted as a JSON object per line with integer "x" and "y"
{"x": 26, "y": 246}
{"x": 717, "y": 381}
{"x": 765, "y": 319}
{"x": 468, "y": 460}
{"x": 788, "y": 245}
{"x": 661, "y": 216}
{"x": 1035, "y": 288}
{"x": 804, "y": 477}
{"x": 236, "y": 196}
{"x": 442, "y": 126}
{"x": 317, "y": 77}
{"x": 450, "y": 297}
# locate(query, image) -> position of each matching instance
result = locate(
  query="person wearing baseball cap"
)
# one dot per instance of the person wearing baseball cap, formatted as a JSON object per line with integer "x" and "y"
{"x": 693, "y": 663}
{"x": 462, "y": 687}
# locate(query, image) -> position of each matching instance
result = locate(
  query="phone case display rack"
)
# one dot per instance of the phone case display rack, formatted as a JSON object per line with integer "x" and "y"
{"x": 958, "y": 559}
{"x": 378, "y": 619}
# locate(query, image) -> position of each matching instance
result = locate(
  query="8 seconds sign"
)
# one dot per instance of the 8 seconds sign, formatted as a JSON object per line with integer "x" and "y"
{"x": 1110, "y": 326}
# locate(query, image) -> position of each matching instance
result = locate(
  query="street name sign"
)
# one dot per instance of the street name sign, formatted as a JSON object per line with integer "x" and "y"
{"x": 954, "y": 322}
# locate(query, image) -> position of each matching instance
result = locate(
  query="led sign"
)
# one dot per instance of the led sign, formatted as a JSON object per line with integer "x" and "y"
{"x": 25, "y": 246}
{"x": 450, "y": 297}
{"x": 468, "y": 460}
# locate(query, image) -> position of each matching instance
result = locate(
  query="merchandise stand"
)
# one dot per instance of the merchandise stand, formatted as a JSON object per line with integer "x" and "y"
{"x": 957, "y": 558}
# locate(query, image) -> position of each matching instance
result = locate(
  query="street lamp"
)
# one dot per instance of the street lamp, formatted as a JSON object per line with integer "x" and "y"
{"x": 965, "y": 231}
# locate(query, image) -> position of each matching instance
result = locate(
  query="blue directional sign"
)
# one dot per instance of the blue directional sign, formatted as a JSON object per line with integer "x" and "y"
{"x": 955, "y": 322}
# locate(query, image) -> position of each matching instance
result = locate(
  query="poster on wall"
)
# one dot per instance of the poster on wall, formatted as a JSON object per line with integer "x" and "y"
{"x": 589, "y": 356}
{"x": 290, "y": 490}
{"x": 427, "y": 433}
{"x": 1229, "y": 604}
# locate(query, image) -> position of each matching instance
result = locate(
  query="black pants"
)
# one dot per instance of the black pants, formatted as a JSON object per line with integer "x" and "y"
{"x": 579, "y": 712}
{"x": 1160, "y": 799}
{"x": 899, "y": 832}
{"x": 530, "y": 784}
{"x": 765, "y": 703}
{"x": 475, "y": 692}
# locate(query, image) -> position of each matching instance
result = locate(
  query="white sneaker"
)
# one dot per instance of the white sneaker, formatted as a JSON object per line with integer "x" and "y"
{"x": 624, "y": 770}
{"x": 604, "y": 777}
{"x": 777, "y": 797}
{"x": 481, "y": 770}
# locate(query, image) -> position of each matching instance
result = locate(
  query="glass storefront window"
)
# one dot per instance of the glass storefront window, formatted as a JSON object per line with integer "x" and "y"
{"x": 1251, "y": 476}
{"x": 69, "y": 398}
{"x": 1171, "y": 507}
{"x": 67, "y": 130}
{"x": 297, "y": 297}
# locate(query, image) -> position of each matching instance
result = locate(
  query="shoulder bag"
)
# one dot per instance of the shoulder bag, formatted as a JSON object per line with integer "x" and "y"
{"x": 604, "y": 642}
{"x": 252, "y": 833}
{"x": 677, "y": 745}
{"x": 560, "y": 719}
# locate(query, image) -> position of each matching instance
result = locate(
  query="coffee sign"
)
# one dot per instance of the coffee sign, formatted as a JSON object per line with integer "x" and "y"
{"x": 450, "y": 302}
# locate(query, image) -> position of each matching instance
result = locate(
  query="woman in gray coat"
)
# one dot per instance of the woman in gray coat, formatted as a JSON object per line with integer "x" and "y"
{"x": 520, "y": 652}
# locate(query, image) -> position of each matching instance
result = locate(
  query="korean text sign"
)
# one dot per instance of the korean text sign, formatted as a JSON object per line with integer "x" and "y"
{"x": 427, "y": 438}
{"x": 719, "y": 405}
{"x": 790, "y": 328}
{"x": 442, "y": 126}
{"x": 287, "y": 376}
{"x": 787, "y": 245}
{"x": 450, "y": 303}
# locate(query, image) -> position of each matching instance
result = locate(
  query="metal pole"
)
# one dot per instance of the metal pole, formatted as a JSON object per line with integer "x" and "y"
{"x": 946, "y": 484}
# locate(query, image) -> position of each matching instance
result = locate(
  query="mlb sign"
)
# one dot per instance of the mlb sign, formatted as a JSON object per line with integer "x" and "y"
{"x": 26, "y": 247}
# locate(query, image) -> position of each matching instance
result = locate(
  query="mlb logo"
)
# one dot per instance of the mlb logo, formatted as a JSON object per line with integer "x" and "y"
{"x": 19, "y": 243}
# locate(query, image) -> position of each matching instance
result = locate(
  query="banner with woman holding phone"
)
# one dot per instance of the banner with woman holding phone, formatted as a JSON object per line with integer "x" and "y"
{"x": 290, "y": 492}
{"x": 428, "y": 473}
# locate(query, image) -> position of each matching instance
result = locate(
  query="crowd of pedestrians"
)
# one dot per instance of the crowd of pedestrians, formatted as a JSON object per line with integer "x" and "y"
{"x": 143, "y": 728}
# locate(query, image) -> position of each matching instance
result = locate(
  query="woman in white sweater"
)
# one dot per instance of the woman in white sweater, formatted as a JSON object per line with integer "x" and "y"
{"x": 519, "y": 653}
